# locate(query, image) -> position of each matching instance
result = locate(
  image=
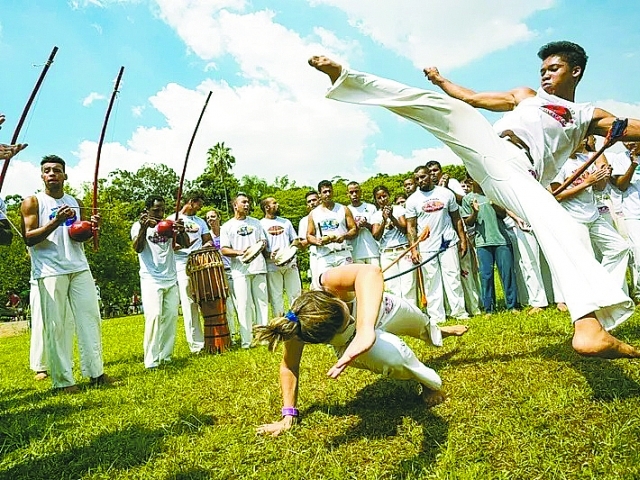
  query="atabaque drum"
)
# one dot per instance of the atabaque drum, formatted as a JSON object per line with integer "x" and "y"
{"x": 209, "y": 289}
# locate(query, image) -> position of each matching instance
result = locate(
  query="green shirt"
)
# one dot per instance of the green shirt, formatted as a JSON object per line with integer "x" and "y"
{"x": 490, "y": 230}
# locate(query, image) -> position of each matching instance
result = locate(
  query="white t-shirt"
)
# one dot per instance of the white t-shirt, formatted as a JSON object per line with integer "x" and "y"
{"x": 391, "y": 236}
{"x": 195, "y": 227}
{"x": 302, "y": 233}
{"x": 551, "y": 127}
{"x": 157, "y": 260}
{"x": 363, "y": 245}
{"x": 630, "y": 198}
{"x": 57, "y": 254}
{"x": 240, "y": 235}
{"x": 455, "y": 187}
{"x": 582, "y": 206}
{"x": 280, "y": 233}
{"x": 330, "y": 222}
{"x": 432, "y": 209}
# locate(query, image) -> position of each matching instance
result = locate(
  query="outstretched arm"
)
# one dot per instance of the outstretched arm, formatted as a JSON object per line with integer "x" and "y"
{"x": 494, "y": 101}
{"x": 367, "y": 283}
{"x": 602, "y": 121}
{"x": 289, "y": 374}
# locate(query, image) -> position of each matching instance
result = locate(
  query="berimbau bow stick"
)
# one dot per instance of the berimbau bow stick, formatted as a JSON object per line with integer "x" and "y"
{"x": 25, "y": 111}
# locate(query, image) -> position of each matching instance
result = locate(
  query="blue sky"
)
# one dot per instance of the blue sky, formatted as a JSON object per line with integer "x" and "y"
{"x": 267, "y": 104}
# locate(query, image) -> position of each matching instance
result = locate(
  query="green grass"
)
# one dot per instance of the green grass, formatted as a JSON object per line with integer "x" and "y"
{"x": 522, "y": 406}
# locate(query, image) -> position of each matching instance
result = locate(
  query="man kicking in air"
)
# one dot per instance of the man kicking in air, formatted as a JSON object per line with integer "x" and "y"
{"x": 529, "y": 143}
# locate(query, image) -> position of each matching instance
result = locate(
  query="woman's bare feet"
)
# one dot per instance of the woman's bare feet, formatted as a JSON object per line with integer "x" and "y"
{"x": 454, "y": 330}
{"x": 534, "y": 311}
{"x": 562, "y": 307}
{"x": 431, "y": 398}
{"x": 326, "y": 65}
{"x": 590, "y": 339}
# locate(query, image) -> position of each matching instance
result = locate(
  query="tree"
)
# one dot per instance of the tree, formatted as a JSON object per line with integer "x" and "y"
{"x": 217, "y": 182}
{"x": 150, "y": 179}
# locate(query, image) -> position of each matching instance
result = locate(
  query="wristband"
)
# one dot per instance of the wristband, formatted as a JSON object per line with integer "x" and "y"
{"x": 290, "y": 411}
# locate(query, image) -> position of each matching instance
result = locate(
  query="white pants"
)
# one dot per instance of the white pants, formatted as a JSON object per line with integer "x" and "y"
{"x": 469, "y": 279}
{"x": 391, "y": 357}
{"x": 368, "y": 261}
{"x": 231, "y": 306}
{"x": 190, "y": 314}
{"x": 324, "y": 263}
{"x": 526, "y": 260}
{"x": 405, "y": 285}
{"x": 160, "y": 321}
{"x": 37, "y": 356}
{"x": 78, "y": 292}
{"x": 502, "y": 170}
{"x": 442, "y": 276}
{"x": 632, "y": 226}
{"x": 615, "y": 251}
{"x": 252, "y": 303}
{"x": 287, "y": 279}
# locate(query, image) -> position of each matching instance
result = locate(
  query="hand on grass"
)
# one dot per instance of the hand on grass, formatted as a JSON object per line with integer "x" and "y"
{"x": 276, "y": 428}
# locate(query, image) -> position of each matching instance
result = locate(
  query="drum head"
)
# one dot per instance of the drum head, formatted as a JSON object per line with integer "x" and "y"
{"x": 252, "y": 252}
{"x": 285, "y": 255}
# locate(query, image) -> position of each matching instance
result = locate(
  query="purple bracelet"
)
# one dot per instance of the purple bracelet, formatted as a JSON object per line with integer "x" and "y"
{"x": 291, "y": 411}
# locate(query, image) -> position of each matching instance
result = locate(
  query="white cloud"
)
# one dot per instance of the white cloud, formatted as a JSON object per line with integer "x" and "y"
{"x": 137, "y": 110}
{"x": 392, "y": 163}
{"x": 92, "y": 97}
{"x": 447, "y": 34}
{"x": 23, "y": 176}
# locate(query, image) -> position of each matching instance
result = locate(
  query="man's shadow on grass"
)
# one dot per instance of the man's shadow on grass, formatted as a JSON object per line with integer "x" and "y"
{"x": 382, "y": 407}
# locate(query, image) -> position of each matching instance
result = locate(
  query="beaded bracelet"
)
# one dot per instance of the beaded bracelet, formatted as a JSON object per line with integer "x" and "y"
{"x": 290, "y": 411}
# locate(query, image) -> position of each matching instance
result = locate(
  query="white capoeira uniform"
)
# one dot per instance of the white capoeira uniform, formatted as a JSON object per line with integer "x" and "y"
{"x": 596, "y": 231}
{"x": 552, "y": 128}
{"x": 195, "y": 228}
{"x": 313, "y": 253}
{"x": 526, "y": 258}
{"x": 280, "y": 233}
{"x": 159, "y": 294}
{"x": 231, "y": 298}
{"x": 364, "y": 248}
{"x": 37, "y": 353}
{"x": 390, "y": 356}
{"x": 249, "y": 281}
{"x": 330, "y": 222}
{"x": 630, "y": 210}
{"x": 392, "y": 243}
{"x": 431, "y": 209}
{"x": 60, "y": 267}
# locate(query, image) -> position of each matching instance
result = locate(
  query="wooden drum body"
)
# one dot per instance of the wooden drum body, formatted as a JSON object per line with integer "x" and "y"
{"x": 209, "y": 289}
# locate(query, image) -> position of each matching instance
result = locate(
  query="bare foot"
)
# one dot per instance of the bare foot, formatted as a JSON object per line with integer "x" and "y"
{"x": 534, "y": 311}
{"x": 562, "y": 307}
{"x": 431, "y": 398}
{"x": 39, "y": 376}
{"x": 454, "y": 330}
{"x": 590, "y": 339}
{"x": 326, "y": 65}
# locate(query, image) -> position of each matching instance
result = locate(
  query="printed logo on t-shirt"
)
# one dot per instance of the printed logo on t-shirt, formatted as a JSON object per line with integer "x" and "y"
{"x": 67, "y": 222}
{"x": 191, "y": 227}
{"x": 432, "y": 206}
{"x": 559, "y": 113}
{"x": 155, "y": 238}
{"x": 388, "y": 305}
{"x": 329, "y": 224}
{"x": 245, "y": 230}
{"x": 276, "y": 230}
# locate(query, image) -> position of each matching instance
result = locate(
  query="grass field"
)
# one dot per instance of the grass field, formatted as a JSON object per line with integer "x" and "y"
{"x": 522, "y": 405}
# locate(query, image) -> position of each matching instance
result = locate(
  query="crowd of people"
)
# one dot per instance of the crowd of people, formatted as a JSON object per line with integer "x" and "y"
{"x": 374, "y": 266}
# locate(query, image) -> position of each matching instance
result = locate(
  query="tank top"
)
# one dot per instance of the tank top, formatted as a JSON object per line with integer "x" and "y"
{"x": 57, "y": 254}
{"x": 330, "y": 222}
